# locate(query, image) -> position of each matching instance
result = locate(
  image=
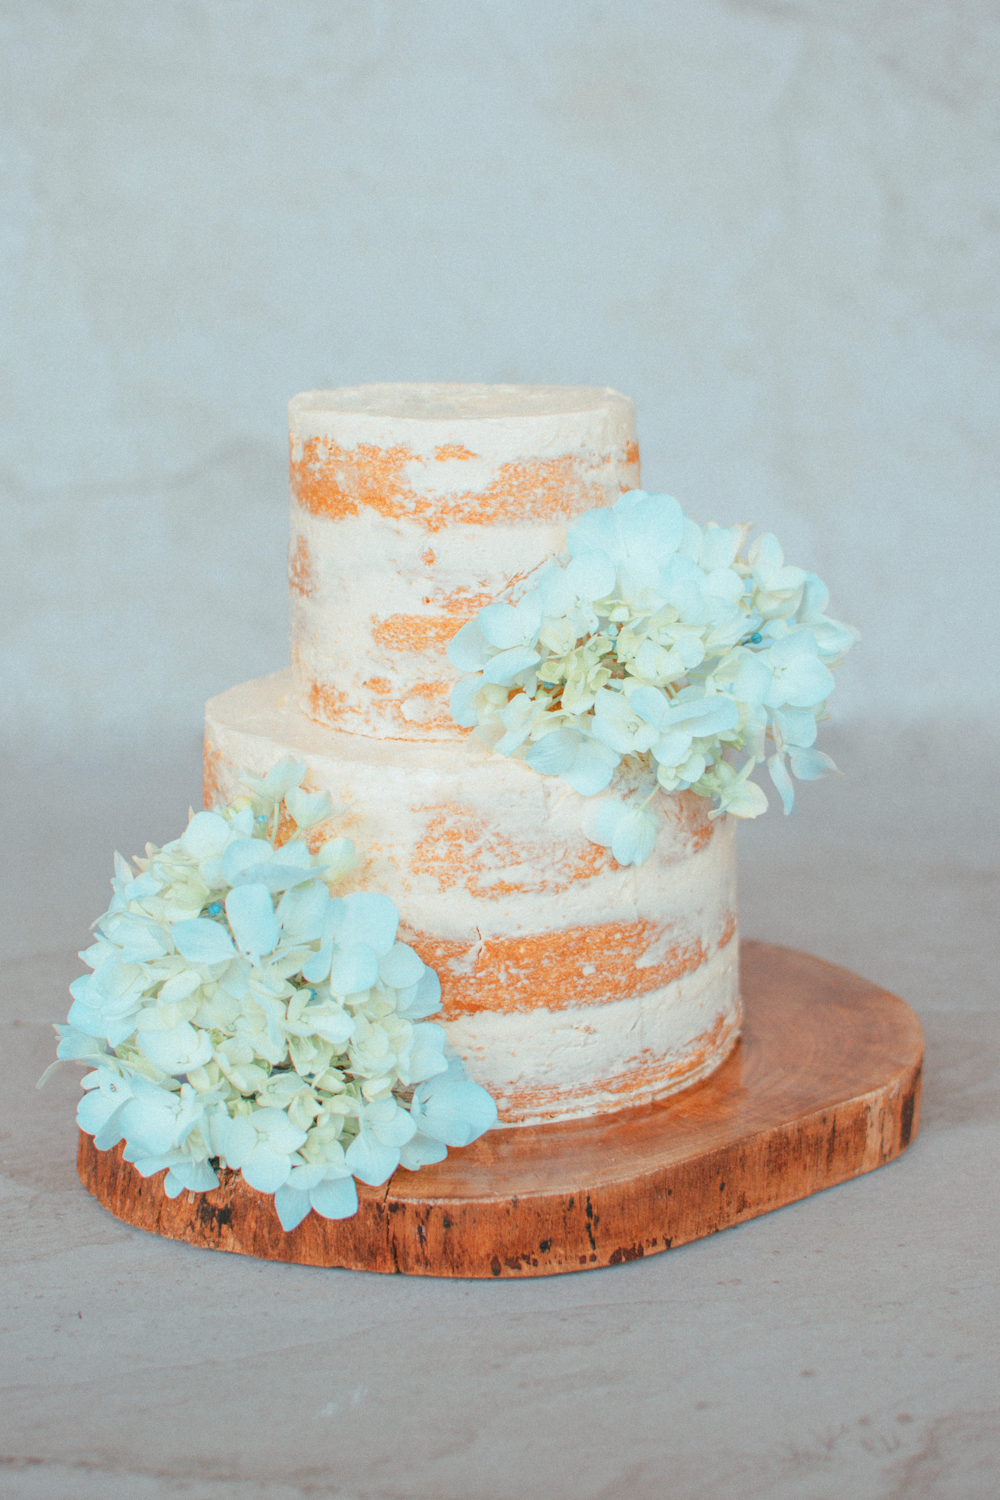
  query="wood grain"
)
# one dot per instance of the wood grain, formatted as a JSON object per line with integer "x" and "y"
{"x": 824, "y": 1085}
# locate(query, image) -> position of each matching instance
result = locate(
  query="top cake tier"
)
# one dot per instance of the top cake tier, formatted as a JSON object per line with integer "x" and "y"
{"x": 415, "y": 505}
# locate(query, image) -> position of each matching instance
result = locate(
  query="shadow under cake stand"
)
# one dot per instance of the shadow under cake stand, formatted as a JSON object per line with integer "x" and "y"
{"x": 823, "y": 1085}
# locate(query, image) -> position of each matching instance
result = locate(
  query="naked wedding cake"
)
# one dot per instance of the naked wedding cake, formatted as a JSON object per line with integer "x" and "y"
{"x": 572, "y": 984}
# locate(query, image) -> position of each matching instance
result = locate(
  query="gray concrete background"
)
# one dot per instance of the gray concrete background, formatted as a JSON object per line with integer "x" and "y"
{"x": 775, "y": 226}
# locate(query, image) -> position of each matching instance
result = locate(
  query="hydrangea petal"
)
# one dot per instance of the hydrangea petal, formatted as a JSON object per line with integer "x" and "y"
{"x": 554, "y": 753}
{"x": 370, "y": 1160}
{"x": 291, "y": 1206}
{"x": 421, "y": 999}
{"x": 591, "y": 575}
{"x": 453, "y": 1110}
{"x": 778, "y": 772}
{"x": 592, "y": 769}
{"x": 462, "y": 703}
{"x": 335, "y": 1198}
{"x": 468, "y": 650}
{"x": 634, "y": 837}
{"x": 401, "y": 967}
{"x": 354, "y": 969}
{"x": 595, "y": 532}
{"x": 371, "y": 918}
{"x": 421, "y": 1151}
{"x": 808, "y": 765}
{"x": 202, "y": 941}
{"x": 500, "y": 626}
{"x": 503, "y": 668}
{"x": 206, "y": 836}
{"x": 556, "y": 594}
{"x": 252, "y": 919}
{"x": 266, "y": 1169}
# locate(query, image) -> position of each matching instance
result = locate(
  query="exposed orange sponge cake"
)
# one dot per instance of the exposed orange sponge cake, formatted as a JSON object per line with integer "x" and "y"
{"x": 571, "y": 985}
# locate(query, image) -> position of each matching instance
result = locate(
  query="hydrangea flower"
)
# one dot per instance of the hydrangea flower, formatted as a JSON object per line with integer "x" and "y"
{"x": 656, "y": 652}
{"x": 239, "y": 1015}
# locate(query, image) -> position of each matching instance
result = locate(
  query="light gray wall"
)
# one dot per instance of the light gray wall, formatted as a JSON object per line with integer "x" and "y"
{"x": 775, "y": 225}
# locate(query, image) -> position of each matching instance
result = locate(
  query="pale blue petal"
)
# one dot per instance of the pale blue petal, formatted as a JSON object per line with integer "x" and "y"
{"x": 600, "y": 820}
{"x": 592, "y": 769}
{"x": 396, "y": 1131}
{"x": 206, "y": 836}
{"x": 303, "y": 1179}
{"x": 595, "y": 532}
{"x": 202, "y": 941}
{"x": 335, "y": 1198}
{"x": 97, "y": 1107}
{"x": 194, "y": 1176}
{"x": 252, "y": 919}
{"x": 241, "y": 856}
{"x": 591, "y": 575}
{"x": 507, "y": 665}
{"x": 233, "y": 1139}
{"x": 807, "y": 765}
{"x": 635, "y": 836}
{"x": 426, "y": 1057}
{"x": 148, "y": 1126}
{"x": 354, "y": 969}
{"x": 719, "y": 545}
{"x": 421, "y": 1151}
{"x": 556, "y": 594}
{"x": 302, "y": 911}
{"x": 468, "y": 650}
{"x": 797, "y": 727}
{"x": 369, "y": 1160}
{"x": 462, "y": 702}
{"x": 672, "y": 748}
{"x": 291, "y": 1207}
{"x": 370, "y": 918}
{"x": 421, "y": 999}
{"x": 529, "y": 617}
{"x": 782, "y": 781}
{"x": 650, "y": 704}
{"x": 266, "y": 1170}
{"x": 752, "y": 680}
{"x": 148, "y": 1166}
{"x": 651, "y": 526}
{"x": 453, "y": 1110}
{"x": 500, "y": 626}
{"x": 401, "y": 967}
{"x": 555, "y": 752}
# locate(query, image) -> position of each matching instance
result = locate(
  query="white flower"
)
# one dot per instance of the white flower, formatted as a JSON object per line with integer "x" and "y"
{"x": 452, "y": 1108}
{"x": 639, "y": 534}
{"x": 583, "y": 763}
{"x": 240, "y": 1016}
{"x": 668, "y": 647}
{"x": 799, "y": 678}
{"x": 628, "y": 830}
{"x": 176, "y": 1049}
{"x": 736, "y": 793}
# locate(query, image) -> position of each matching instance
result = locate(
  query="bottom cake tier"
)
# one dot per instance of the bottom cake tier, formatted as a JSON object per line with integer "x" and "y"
{"x": 571, "y": 986}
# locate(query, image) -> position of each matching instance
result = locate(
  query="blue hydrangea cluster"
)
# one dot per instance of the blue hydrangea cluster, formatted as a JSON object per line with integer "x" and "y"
{"x": 655, "y": 656}
{"x": 240, "y": 1015}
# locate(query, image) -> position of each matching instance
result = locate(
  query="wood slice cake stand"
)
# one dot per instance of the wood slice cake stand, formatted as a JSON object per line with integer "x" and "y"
{"x": 824, "y": 1085}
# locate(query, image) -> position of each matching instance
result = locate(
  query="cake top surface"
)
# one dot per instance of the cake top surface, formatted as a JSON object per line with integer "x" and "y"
{"x": 451, "y": 401}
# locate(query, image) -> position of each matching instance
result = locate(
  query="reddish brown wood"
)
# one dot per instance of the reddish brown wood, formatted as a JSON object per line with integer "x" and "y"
{"x": 824, "y": 1085}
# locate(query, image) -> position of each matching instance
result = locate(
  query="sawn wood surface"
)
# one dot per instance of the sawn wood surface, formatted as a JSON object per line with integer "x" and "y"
{"x": 824, "y": 1085}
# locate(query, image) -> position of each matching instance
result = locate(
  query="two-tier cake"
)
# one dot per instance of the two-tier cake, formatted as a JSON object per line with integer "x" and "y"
{"x": 571, "y": 986}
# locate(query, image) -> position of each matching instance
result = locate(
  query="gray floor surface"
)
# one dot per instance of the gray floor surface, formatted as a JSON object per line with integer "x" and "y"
{"x": 844, "y": 1348}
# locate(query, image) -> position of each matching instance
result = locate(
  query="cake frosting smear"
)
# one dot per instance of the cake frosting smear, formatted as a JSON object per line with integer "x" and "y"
{"x": 571, "y": 986}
